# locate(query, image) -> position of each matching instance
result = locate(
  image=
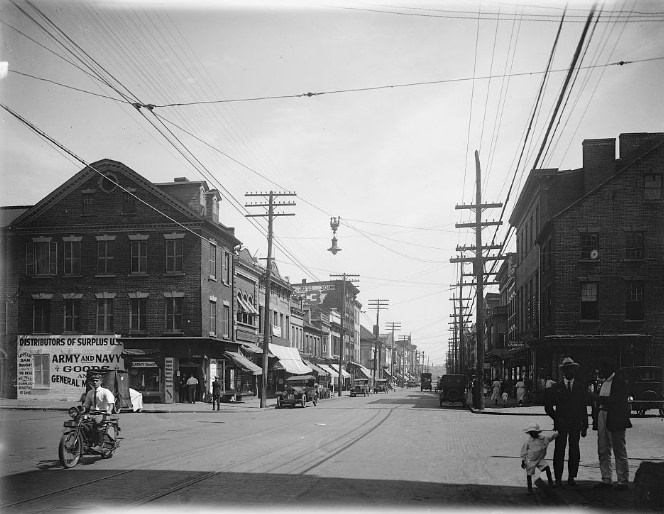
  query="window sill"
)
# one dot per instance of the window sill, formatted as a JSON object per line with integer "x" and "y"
{"x": 72, "y": 276}
{"x": 212, "y": 278}
{"x": 105, "y": 275}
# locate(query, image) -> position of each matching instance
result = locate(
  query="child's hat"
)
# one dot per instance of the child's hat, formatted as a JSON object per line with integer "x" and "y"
{"x": 533, "y": 427}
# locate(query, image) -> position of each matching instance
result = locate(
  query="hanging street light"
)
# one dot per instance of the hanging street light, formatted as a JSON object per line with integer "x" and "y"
{"x": 334, "y": 225}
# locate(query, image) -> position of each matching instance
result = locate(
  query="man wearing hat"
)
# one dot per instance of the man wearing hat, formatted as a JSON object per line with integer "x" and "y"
{"x": 98, "y": 399}
{"x": 216, "y": 393}
{"x": 565, "y": 403}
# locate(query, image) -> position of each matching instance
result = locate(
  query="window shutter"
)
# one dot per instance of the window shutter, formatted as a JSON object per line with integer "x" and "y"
{"x": 29, "y": 259}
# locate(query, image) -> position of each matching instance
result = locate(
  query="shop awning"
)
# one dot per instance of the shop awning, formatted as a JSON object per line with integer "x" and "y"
{"x": 246, "y": 306}
{"x": 364, "y": 371}
{"x": 242, "y": 362}
{"x": 333, "y": 374}
{"x": 140, "y": 352}
{"x": 317, "y": 369}
{"x": 289, "y": 360}
{"x": 387, "y": 374}
{"x": 344, "y": 373}
{"x": 254, "y": 348}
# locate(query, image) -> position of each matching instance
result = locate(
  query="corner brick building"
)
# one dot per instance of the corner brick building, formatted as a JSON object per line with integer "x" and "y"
{"x": 141, "y": 273}
{"x": 590, "y": 259}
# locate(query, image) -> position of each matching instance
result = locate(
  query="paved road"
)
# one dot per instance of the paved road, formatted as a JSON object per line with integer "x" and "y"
{"x": 397, "y": 450}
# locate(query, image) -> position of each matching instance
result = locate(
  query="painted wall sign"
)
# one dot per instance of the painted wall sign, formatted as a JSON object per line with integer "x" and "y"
{"x": 54, "y": 367}
{"x": 169, "y": 366}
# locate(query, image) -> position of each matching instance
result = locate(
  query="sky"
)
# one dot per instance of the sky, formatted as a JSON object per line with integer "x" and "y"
{"x": 369, "y": 111}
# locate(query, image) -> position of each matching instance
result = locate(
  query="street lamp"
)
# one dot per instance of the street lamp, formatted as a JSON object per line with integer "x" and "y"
{"x": 334, "y": 225}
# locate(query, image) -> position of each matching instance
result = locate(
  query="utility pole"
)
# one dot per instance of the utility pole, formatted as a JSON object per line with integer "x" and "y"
{"x": 377, "y": 304}
{"x": 393, "y": 325}
{"x": 267, "y": 328}
{"x": 478, "y": 264}
{"x": 351, "y": 278}
{"x": 405, "y": 340}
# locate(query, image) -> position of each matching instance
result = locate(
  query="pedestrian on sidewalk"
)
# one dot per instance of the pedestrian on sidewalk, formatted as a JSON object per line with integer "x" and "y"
{"x": 216, "y": 393}
{"x": 533, "y": 453}
{"x": 504, "y": 396}
{"x": 520, "y": 391}
{"x": 495, "y": 395}
{"x": 192, "y": 384}
{"x": 612, "y": 422}
{"x": 565, "y": 403}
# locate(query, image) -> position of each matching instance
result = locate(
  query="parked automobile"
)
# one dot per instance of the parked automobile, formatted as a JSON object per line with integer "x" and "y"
{"x": 644, "y": 387}
{"x": 381, "y": 386}
{"x": 425, "y": 381}
{"x": 360, "y": 387}
{"x": 453, "y": 389}
{"x": 298, "y": 390}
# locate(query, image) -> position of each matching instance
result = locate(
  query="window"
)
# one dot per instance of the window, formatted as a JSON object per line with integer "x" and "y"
{"x": 213, "y": 261}
{"x": 88, "y": 204}
{"x": 634, "y": 300}
{"x": 104, "y": 315}
{"x": 634, "y": 245}
{"x": 213, "y": 317}
{"x": 72, "y": 255}
{"x": 41, "y": 257}
{"x": 589, "y": 301}
{"x": 41, "y": 370}
{"x": 227, "y": 267}
{"x": 105, "y": 255}
{"x": 589, "y": 245}
{"x": 139, "y": 256}
{"x": 41, "y": 316}
{"x": 138, "y": 315}
{"x": 174, "y": 313}
{"x": 174, "y": 255}
{"x": 72, "y": 315}
{"x": 652, "y": 186}
{"x": 227, "y": 320}
{"x": 128, "y": 202}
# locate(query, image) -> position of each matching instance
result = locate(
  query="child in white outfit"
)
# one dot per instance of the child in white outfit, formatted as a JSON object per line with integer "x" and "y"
{"x": 533, "y": 453}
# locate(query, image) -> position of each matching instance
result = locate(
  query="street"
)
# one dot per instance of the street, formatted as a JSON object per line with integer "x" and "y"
{"x": 386, "y": 450}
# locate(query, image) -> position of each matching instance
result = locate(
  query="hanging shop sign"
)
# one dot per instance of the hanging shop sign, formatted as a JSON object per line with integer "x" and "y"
{"x": 54, "y": 367}
{"x": 169, "y": 366}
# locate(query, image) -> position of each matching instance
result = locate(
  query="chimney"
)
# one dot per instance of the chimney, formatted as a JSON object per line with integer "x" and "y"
{"x": 635, "y": 144}
{"x": 212, "y": 198}
{"x": 304, "y": 280}
{"x": 599, "y": 161}
{"x": 180, "y": 179}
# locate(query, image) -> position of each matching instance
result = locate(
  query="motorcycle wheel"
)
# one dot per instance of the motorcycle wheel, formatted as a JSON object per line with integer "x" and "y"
{"x": 70, "y": 449}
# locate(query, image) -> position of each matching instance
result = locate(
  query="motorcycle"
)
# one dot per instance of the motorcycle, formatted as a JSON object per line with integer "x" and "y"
{"x": 81, "y": 437}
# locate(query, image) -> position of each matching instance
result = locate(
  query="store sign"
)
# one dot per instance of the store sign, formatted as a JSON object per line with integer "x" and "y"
{"x": 169, "y": 365}
{"x": 54, "y": 367}
{"x": 144, "y": 364}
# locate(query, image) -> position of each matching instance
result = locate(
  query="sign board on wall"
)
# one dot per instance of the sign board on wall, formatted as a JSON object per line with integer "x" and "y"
{"x": 169, "y": 366}
{"x": 314, "y": 293}
{"x": 54, "y": 367}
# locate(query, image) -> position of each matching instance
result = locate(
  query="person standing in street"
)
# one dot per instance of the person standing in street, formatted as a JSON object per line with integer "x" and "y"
{"x": 612, "y": 422}
{"x": 192, "y": 384}
{"x": 533, "y": 453}
{"x": 565, "y": 403}
{"x": 216, "y": 393}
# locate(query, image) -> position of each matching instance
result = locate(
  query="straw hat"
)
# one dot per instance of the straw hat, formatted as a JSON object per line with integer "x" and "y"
{"x": 533, "y": 427}
{"x": 568, "y": 362}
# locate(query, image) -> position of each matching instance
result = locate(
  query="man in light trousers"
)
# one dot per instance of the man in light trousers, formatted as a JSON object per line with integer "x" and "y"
{"x": 612, "y": 422}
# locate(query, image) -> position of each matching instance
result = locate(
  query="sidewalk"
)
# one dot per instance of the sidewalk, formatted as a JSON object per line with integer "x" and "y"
{"x": 512, "y": 408}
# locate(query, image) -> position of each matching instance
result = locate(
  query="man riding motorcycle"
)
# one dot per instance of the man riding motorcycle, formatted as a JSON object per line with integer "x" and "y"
{"x": 98, "y": 399}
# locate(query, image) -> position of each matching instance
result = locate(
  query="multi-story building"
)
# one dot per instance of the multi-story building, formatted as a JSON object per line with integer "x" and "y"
{"x": 115, "y": 271}
{"x": 590, "y": 247}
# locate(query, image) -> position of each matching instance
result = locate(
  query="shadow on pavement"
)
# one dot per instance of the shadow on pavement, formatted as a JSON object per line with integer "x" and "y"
{"x": 83, "y": 487}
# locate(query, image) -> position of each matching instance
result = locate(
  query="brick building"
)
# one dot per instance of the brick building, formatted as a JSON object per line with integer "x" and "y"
{"x": 115, "y": 271}
{"x": 590, "y": 248}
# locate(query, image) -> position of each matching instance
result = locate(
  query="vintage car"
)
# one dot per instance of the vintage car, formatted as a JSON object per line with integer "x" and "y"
{"x": 298, "y": 390}
{"x": 425, "y": 381}
{"x": 360, "y": 387}
{"x": 453, "y": 389}
{"x": 644, "y": 387}
{"x": 381, "y": 386}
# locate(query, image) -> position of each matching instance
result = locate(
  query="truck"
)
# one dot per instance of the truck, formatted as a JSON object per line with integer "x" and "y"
{"x": 425, "y": 381}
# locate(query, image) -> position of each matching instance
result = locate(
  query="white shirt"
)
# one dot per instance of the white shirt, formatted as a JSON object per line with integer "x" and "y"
{"x": 569, "y": 384}
{"x": 606, "y": 386}
{"x": 103, "y": 400}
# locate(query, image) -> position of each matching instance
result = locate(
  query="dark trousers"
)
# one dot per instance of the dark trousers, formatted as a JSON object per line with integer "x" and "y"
{"x": 574, "y": 435}
{"x": 192, "y": 393}
{"x": 216, "y": 400}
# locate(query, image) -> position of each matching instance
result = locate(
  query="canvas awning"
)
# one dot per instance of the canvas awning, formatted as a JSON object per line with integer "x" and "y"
{"x": 242, "y": 362}
{"x": 364, "y": 371}
{"x": 344, "y": 373}
{"x": 254, "y": 348}
{"x": 317, "y": 369}
{"x": 333, "y": 374}
{"x": 289, "y": 360}
{"x": 246, "y": 306}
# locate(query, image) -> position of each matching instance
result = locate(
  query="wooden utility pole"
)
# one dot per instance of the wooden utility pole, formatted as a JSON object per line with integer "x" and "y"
{"x": 267, "y": 326}
{"x": 377, "y": 304}
{"x": 393, "y": 325}
{"x": 350, "y": 278}
{"x": 478, "y": 264}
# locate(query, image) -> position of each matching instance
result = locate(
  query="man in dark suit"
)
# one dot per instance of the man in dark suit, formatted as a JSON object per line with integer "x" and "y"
{"x": 612, "y": 422}
{"x": 565, "y": 402}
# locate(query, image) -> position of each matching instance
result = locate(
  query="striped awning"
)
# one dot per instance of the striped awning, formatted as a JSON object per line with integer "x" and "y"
{"x": 289, "y": 360}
